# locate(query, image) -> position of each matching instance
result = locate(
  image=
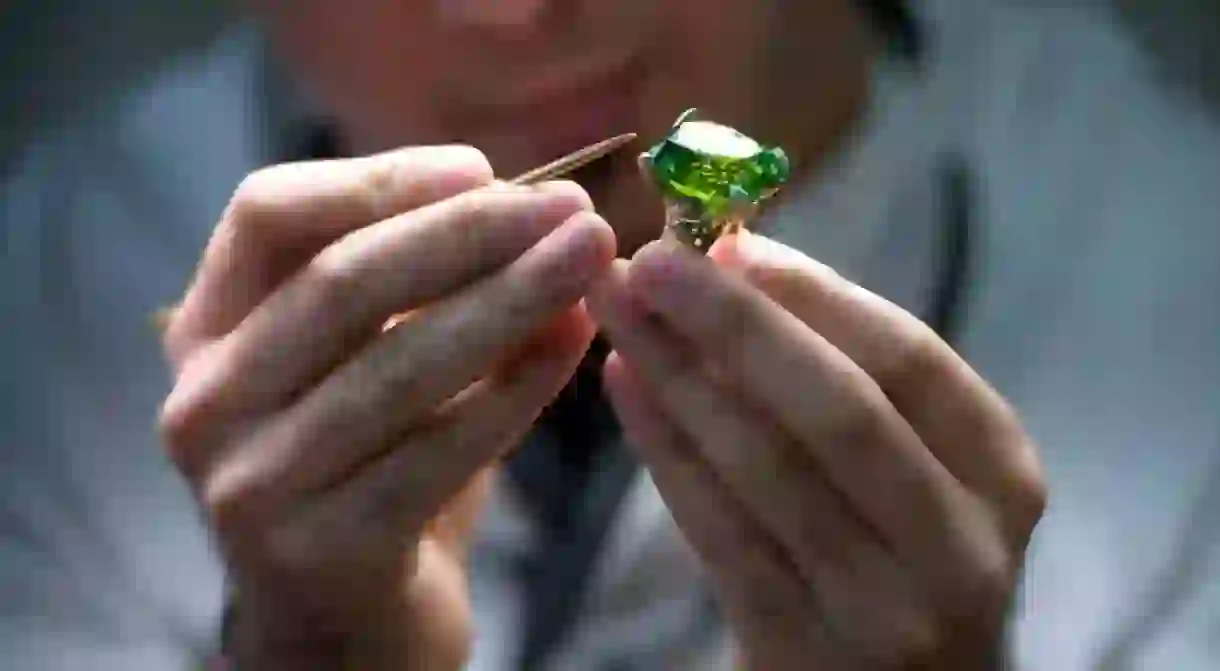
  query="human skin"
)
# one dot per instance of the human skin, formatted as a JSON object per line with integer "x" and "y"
{"x": 341, "y": 466}
{"x": 527, "y": 81}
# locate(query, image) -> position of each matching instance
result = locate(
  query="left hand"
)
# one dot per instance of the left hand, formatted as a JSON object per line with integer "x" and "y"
{"x": 862, "y": 498}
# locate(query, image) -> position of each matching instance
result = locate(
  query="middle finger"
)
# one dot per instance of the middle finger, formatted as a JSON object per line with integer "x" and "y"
{"x": 369, "y": 401}
{"x": 340, "y": 299}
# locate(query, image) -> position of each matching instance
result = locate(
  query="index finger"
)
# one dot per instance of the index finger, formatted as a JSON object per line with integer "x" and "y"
{"x": 279, "y": 217}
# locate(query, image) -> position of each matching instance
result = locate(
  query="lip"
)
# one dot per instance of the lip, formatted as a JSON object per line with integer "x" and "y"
{"x": 564, "y": 111}
{"x": 569, "y": 81}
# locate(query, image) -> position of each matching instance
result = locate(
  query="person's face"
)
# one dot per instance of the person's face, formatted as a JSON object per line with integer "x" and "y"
{"x": 527, "y": 81}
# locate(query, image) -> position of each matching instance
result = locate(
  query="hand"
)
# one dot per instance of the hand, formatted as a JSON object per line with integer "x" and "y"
{"x": 861, "y": 497}
{"x": 338, "y": 463}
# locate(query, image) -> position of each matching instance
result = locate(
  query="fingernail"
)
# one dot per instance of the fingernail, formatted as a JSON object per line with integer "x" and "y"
{"x": 747, "y": 247}
{"x": 727, "y": 250}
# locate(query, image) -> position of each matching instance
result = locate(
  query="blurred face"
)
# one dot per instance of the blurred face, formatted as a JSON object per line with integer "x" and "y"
{"x": 527, "y": 81}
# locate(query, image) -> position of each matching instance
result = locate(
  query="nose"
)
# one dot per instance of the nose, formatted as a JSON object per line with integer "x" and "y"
{"x": 508, "y": 17}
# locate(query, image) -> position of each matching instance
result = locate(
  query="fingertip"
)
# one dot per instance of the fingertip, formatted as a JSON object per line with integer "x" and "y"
{"x": 651, "y": 259}
{"x": 612, "y": 280}
{"x": 606, "y": 238}
{"x": 595, "y": 239}
{"x": 568, "y": 192}
{"x": 468, "y": 161}
{"x": 753, "y": 253}
{"x": 654, "y": 250}
{"x": 453, "y": 168}
{"x": 666, "y": 268}
{"x": 727, "y": 250}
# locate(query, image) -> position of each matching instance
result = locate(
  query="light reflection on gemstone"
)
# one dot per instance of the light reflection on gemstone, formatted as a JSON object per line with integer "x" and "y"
{"x": 712, "y": 178}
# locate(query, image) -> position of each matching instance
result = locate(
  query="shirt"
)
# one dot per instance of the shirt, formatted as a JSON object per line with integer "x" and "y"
{"x": 1089, "y": 303}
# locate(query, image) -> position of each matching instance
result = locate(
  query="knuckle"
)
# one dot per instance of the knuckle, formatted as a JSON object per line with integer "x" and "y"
{"x": 922, "y": 357}
{"x": 255, "y": 196}
{"x": 177, "y": 421}
{"x": 377, "y": 186}
{"x": 357, "y": 397}
{"x": 334, "y": 282}
{"x": 472, "y": 159}
{"x": 490, "y": 228}
{"x": 188, "y": 419}
{"x": 475, "y": 206}
{"x": 856, "y": 423}
{"x": 476, "y": 209}
{"x": 1037, "y": 496}
{"x": 916, "y": 363}
{"x": 922, "y": 640}
{"x": 913, "y": 640}
{"x": 225, "y": 499}
{"x": 985, "y": 584}
{"x": 467, "y": 229}
{"x": 1030, "y": 491}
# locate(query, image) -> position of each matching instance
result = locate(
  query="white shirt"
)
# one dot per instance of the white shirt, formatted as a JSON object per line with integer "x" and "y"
{"x": 1092, "y": 307}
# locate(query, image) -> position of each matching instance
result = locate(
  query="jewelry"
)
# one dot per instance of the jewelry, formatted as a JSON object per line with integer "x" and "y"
{"x": 712, "y": 178}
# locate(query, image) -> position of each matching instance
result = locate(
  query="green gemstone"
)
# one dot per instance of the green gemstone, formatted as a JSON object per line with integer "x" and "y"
{"x": 715, "y": 167}
{"x": 773, "y": 163}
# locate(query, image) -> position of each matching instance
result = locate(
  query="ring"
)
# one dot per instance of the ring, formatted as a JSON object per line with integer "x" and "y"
{"x": 712, "y": 178}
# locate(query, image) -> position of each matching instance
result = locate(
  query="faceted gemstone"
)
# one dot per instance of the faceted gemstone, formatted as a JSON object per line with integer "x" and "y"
{"x": 715, "y": 165}
{"x": 712, "y": 176}
{"x": 773, "y": 163}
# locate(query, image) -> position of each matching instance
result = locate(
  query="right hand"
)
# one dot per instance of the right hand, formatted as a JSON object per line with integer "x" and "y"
{"x": 340, "y": 465}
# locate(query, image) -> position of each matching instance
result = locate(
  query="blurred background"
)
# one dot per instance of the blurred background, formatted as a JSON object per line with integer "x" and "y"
{"x": 63, "y": 60}
{"x": 59, "y": 57}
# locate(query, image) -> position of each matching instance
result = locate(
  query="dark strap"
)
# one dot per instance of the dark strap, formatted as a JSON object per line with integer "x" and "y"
{"x": 898, "y": 25}
{"x": 947, "y": 309}
{"x": 573, "y": 474}
{"x": 555, "y": 464}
